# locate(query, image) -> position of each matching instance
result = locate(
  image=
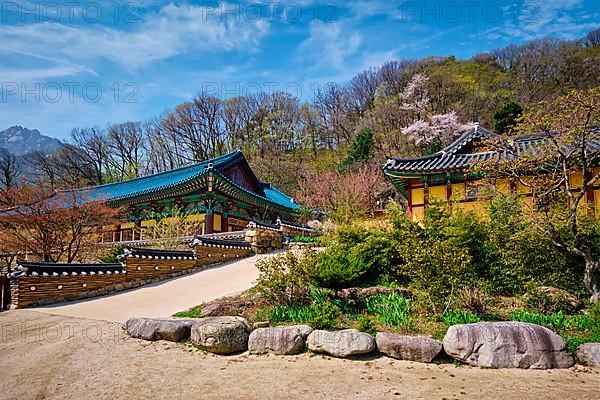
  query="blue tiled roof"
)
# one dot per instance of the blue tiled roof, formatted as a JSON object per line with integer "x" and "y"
{"x": 152, "y": 183}
{"x": 280, "y": 198}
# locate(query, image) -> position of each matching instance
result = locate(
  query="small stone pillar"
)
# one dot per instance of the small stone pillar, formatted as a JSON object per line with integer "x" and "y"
{"x": 263, "y": 238}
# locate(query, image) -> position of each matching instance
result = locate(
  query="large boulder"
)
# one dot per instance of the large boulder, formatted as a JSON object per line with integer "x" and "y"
{"x": 173, "y": 330}
{"x": 222, "y": 335}
{"x": 507, "y": 345}
{"x": 281, "y": 340}
{"x": 412, "y": 348}
{"x": 589, "y": 354}
{"x": 344, "y": 343}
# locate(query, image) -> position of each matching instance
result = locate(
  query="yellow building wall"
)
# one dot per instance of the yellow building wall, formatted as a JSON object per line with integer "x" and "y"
{"x": 503, "y": 186}
{"x": 217, "y": 222}
{"x": 477, "y": 207}
{"x": 576, "y": 179}
{"x": 522, "y": 189}
{"x": 417, "y": 196}
{"x": 418, "y": 213}
{"x": 438, "y": 193}
{"x": 458, "y": 191}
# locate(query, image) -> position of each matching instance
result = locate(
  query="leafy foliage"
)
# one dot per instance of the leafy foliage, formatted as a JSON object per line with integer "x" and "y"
{"x": 557, "y": 320}
{"x": 367, "y": 323}
{"x": 391, "y": 309}
{"x": 286, "y": 278}
{"x": 326, "y": 316}
{"x": 506, "y": 118}
{"x": 360, "y": 151}
{"x": 454, "y": 317}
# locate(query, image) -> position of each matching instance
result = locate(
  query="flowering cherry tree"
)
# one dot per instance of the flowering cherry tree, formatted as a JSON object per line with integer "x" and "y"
{"x": 436, "y": 131}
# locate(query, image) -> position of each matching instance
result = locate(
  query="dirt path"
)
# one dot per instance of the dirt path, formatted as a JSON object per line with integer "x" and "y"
{"x": 162, "y": 299}
{"x": 54, "y": 357}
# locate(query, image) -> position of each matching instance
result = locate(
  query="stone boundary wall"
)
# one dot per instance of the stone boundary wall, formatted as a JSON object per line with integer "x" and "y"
{"x": 211, "y": 251}
{"x": 290, "y": 229}
{"x": 36, "y": 284}
{"x": 264, "y": 238}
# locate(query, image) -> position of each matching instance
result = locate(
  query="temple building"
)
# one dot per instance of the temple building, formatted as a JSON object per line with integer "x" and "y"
{"x": 220, "y": 195}
{"x": 447, "y": 175}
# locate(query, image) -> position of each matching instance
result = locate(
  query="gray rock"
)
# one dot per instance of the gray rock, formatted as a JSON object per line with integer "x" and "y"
{"x": 173, "y": 330}
{"x": 222, "y": 335}
{"x": 344, "y": 343}
{"x": 413, "y": 348}
{"x": 589, "y": 353}
{"x": 507, "y": 345}
{"x": 281, "y": 340}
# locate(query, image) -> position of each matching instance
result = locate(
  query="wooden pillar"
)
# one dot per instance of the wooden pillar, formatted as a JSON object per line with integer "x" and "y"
{"x": 409, "y": 200}
{"x": 224, "y": 222}
{"x": 209, "y": 222}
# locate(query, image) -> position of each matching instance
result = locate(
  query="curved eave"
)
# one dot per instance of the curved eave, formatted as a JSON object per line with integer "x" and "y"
{"x": 200, "y": 183}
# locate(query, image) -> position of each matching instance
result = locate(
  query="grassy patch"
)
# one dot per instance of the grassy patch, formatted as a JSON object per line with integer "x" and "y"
{"x": 391, "y": 310}
{"x": 573, "y": 341}
{"x": 455, "y": 317}
{"x": 195, "y": 312}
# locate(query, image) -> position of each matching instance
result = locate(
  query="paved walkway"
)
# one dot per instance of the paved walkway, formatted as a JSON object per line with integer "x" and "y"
{"x": 163, "y": 299}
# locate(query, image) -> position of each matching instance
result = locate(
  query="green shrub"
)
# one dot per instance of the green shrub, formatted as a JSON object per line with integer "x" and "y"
{"x": 589, "y": 322}
{"x": 594, "y": 314}
{"x": 194, "y": 312}
{"x": 391, "y": 309}
{"x": 573, "y": 342}
{"x": 326, "y": 316}
{"x": 367, "y": 323}
{"x": 112, "y": 257}
{"x": 437, "y": 268}
{"x": 339, "y": 267}
{"x": 554, "y": 321}
{"x": 304, "y": 239}
{"x": 285, "y": 279}
{"x": 296, "y": 314}
{"x": 456, "y": 317}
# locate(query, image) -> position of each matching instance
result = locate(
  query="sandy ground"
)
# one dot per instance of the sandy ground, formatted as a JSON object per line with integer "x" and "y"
{"x": 45, "y": 356}
{"x": 163, "y": 299}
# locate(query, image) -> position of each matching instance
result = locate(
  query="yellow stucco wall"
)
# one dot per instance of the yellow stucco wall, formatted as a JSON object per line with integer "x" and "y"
{"x": 458, "y": 191}
{"x": 217, "y": 222}
{"x": 417, "y": 195}
{"x": 438, "y": 193}
{"x": 418, "y": 213}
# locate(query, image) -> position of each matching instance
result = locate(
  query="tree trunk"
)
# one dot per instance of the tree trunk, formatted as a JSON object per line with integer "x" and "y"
{"x": 591, "y": 278}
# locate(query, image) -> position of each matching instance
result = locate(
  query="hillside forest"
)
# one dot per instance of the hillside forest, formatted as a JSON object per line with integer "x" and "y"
{"x": 327, "y": 151}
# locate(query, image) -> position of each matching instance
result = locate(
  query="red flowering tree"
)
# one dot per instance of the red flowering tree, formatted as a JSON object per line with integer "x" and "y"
{"x": 343, "y": 195}
{"x": 51, "y": 226}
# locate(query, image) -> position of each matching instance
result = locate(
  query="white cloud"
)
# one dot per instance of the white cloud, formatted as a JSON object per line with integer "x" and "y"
{"x": 329, "y": 45}
{"x": 172, "y": 31}
{"x": 535, "y": 19}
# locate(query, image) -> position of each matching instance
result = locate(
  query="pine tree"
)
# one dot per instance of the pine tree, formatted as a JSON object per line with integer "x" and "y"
{"x": 506, "y": 118}
{"x": 360, "y": 150}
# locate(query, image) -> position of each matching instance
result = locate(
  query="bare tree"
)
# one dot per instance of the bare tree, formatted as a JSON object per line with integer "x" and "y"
{"x": 9, "y": 171}
{"x": 126, "y": 145}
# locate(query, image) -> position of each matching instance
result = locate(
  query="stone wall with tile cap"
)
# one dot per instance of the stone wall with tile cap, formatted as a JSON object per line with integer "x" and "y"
{"x": 264, "y": 238}
{"x": 43, "y": 283}
{"x": 150, "y": 264}
{"x": 34, "y": 284}
{"x": 211, "y": 251}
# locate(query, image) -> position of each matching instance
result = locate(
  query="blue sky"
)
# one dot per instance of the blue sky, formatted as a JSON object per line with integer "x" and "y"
{"x": 71, "y": 63}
